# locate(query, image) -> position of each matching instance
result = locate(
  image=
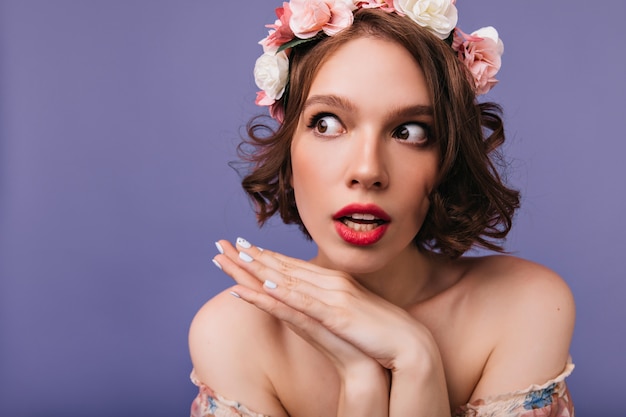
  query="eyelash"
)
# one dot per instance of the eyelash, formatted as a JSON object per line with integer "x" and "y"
{"x": 315, "y": 119}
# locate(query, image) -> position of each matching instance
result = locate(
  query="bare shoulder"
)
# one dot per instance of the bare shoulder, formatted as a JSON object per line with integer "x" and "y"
{"x": 524, "y": 286}
{"x": 232, "y": 345}
{"x": 534, "y": 313}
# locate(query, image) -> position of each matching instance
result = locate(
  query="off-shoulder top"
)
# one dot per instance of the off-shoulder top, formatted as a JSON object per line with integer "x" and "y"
{"x": 551, "y": 399}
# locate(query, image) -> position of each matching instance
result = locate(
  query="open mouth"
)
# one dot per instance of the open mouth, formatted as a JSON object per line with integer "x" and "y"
{"x": 362, "y": 222}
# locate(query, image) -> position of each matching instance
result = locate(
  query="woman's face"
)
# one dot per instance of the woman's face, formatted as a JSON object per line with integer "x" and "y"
{"x": 362, "y": 157}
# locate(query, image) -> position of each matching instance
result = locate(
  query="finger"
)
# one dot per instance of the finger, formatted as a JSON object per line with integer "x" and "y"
{"x": 243, "y": 253}
{"x": 234, "y": 263}
{"x": 273, "y": 259}
{"x": 281, "y": 261}
{"x": 298, "y": 292}
{"x": 303, "y": 325}
{"x": 273, "y": 307}
{"x": 332, "y": 308}
{"x": 289, "y": 267}
{"x": 224, "y": 261}
{"x": 298, "y": 288}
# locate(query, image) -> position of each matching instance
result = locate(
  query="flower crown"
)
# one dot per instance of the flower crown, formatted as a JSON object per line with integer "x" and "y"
{"x": 300, "y": 21}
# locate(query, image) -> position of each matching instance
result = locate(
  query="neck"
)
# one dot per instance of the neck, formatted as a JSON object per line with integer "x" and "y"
{"x": 409, "y": 278}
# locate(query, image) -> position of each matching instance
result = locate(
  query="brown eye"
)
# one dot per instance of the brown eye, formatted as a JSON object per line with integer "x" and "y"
{"x": 322, "y": 126}
{"x": 326, "y": 125}
{"x": 403, "y": 133}
{"x": 414, "y": 133}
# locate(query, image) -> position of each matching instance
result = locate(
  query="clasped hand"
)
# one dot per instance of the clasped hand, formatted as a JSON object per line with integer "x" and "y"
{"x": 329, "y": 309}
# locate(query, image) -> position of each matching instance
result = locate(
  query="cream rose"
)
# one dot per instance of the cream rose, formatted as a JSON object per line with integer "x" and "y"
{"x": 438, "y": 16}
{"x": 271, "y": 72}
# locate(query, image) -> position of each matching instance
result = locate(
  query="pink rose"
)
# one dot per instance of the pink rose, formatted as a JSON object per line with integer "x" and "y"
{"x": 262, "y": 99}
{"x": 277, "y": 112}
{"x": 310, "y": 16}
{"x": 481, "y": 52}
{"x": 376, "y": 4}
{"x": 282, "y": 32}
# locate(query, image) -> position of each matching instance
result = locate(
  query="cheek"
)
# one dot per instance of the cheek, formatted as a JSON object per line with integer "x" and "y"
{"x": 423, "y": 183}
{"x": 314, "y": 178}
{"x": 306, "y": 195}
{"x": 303, "y": 178}
{"x": 307, "y": 181}
{"x": 310, "y": 165}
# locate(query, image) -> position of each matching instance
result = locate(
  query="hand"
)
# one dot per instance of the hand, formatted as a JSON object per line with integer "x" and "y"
{"x": 364, "y": 384}
{"x": 360, "y": 332}
{"x": 327, "y": 308}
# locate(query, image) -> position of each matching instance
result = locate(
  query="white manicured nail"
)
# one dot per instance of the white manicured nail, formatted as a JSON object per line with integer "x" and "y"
{"x": 217, "y": 264}
{"x": 219, "y": 247}
{"x": 270, "y": 284}
{"x": 243, "y": 243}
{"x": 245, "y": 257}
{"x": 234, "y": 294}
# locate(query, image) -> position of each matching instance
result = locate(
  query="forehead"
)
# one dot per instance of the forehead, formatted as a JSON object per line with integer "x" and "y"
{"x": 372, "y": 69}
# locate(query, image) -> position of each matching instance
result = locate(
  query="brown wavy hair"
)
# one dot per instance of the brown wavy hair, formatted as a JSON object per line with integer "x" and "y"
{"x": 470, "y": 204}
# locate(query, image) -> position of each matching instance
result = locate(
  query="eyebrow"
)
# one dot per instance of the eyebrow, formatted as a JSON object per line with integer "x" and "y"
{"x": 331, "y": 101}
{"x": 411, "y": 111}
{"x": 346, "y": 105}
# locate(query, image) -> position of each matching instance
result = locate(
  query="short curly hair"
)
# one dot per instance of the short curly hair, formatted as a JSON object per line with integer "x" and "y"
{"x": 469, "y": 206}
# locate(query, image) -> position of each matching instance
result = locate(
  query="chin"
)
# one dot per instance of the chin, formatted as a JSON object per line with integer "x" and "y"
{"x": 355, "y": 261}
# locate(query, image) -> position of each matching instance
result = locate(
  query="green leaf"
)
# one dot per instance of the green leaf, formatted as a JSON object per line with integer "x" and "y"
{"x": 292, "y": 43}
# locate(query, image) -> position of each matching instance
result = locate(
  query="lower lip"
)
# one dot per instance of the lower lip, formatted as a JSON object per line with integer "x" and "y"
{"x": 364, "y": 238}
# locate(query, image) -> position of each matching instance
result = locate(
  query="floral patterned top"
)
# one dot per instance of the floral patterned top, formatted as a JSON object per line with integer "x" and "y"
{"x": 551, "y": 399}
{"x": 209, "y": 403}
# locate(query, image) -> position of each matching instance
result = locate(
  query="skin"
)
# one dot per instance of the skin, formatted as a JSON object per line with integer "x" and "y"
{"x": 380, "y": 330}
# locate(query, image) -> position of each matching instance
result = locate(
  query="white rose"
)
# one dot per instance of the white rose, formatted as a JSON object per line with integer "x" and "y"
{"x": 488, "y": 32}
{"x": 271, "y": 72}
{"x": 438, "y": 16}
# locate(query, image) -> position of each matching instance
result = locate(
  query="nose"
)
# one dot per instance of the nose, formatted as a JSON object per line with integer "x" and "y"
{"x": 367, "y": 167}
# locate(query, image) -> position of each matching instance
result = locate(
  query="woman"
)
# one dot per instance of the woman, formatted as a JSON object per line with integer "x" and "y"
{"x": 382, "y": 156}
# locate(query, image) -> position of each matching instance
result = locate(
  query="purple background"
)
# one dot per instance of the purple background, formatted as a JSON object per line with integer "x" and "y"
{"x": 117, "y": 120}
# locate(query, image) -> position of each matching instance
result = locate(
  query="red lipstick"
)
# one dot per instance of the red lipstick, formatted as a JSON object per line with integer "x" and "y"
{"x": 361, "y": 224}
